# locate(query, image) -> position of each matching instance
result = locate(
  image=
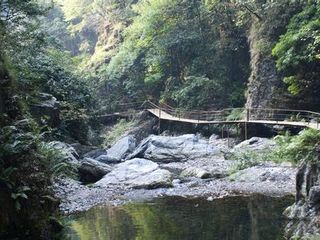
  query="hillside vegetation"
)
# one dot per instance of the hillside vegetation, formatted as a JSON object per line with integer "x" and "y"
{"x": 78, "y": 57}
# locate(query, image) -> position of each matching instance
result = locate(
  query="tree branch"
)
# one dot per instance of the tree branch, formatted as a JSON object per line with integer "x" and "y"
{"x": 252, "y": 12}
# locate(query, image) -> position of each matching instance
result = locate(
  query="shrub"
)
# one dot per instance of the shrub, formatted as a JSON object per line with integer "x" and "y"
{"x": 117, "y": 131}
{"x": 236, "y": 114}
{"x": 56, "y": 160}
{"x": 296, "y": 148}
{"x": 245, "y": 160}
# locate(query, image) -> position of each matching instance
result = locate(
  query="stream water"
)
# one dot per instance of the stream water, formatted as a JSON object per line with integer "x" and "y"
{"x": 232, "y": 218}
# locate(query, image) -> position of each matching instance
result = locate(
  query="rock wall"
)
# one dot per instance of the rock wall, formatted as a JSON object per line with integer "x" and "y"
{"x": 304, "y": 215}
{"x": 265, "y": 83}
{"x": 265, "y": 86}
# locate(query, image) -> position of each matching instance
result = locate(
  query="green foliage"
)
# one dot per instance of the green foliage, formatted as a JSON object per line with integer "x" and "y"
{"x": 97, "y": 25}
{"x": 5, "y": 176}
{"x": 292, "y": 149}
{"x": 183, "y": 52}
{"x": 57, "y": 161}
{"x": 264, "y": 47}
{"x": 15, "y": 141}
{"x": 37, "y": 63}
{"x": 298, "y": 52}
{"x": 7, "y": 180}
{"x": 297, "y": 148}
{"x": 27, "y": 164}
{"x": 118, "y": 131}
{"x": 195, "y": 92}
{"x": 24, "y": 173}
{"x": 57, "y": 28}
{"x": 20, "y": 193}
{"x": 245, "y": 160}
{"x": 236, "y": 114}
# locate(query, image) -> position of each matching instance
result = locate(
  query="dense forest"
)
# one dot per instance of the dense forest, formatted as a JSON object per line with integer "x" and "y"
{"x": 65, "y": 59}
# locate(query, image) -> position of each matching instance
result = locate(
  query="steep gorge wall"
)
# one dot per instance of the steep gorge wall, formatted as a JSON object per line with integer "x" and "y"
{"x": 265, "y": 86}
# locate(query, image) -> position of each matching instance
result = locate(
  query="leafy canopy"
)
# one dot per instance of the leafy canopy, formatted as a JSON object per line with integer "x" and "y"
{"x": 298, "y": 51}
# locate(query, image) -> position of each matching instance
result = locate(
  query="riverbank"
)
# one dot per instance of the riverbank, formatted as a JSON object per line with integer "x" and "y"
{"x": 188, "y": 166}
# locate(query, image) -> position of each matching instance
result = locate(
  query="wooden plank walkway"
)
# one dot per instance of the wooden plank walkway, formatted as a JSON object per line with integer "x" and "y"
{"x": 163, "y": 114}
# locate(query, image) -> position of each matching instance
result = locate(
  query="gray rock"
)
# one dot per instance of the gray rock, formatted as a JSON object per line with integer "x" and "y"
{"x": 91, "y": 170}
{"x": 314, "y": 195}
{"x": 174, "y": 149}
{"x": 146, "y": 126}
{"x": 156, "y": 179}
{"x": 195, "y": 172}
{"x": 264, "y": 173}
{"x": 137, "y": 173}
{"x": 264, "y": 87}
{"x": 95, "y": 153}
{"x": 176, "y": 181}
{"x": 122, "y": 148}
{"x": 210, "y": 199}
{"x": 82, "y": 149}
{"x": 213, "y": 138}
{"x": 47, "y": 100}
{"x": 108, "y": 159}
{"x": 255, "y": 144}
{"x": 47, "y": 105}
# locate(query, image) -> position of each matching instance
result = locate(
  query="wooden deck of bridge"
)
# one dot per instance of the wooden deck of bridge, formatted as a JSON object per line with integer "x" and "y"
{"x": 164, "y": 115}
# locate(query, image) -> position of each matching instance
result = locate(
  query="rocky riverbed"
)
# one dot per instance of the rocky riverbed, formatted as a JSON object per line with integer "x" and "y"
{"x": 187, "y": 166}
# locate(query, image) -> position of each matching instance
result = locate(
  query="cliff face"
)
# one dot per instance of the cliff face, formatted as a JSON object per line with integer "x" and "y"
{"x": 265, "y": 86}
{"x": 304, "y": 215}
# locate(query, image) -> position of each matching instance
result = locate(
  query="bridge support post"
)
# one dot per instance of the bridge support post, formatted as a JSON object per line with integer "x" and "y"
{"x": 247, "y": 114}
{"x": 159, "y": 123}
{"x": 246, "y": 130}
{"x": 228, "y": 134}
{"x": 222, "y": 129}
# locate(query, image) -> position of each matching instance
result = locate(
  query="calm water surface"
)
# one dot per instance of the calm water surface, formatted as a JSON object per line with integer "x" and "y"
{"x": 233, "y": 218}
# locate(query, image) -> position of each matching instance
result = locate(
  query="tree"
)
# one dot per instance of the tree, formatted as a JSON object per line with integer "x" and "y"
{"x": 298, "y": 54}
{"x": 170, "y": 44}
{"x": 101, "y": 22}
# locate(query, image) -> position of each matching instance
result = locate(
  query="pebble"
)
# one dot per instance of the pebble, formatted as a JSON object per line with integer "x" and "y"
{"x": 210, "y": 199}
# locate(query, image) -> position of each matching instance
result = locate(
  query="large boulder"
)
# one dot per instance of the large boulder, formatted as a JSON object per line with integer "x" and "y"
{"x": 206, "y": 168}
{"x": 119, "y": 151}
{"x": 47, "y": 105}
{"x": 314, "y": 195}
{"x": 137, "y": 173}
{"x": 156, "y": 179}
{"x": 82, "y": 149}
{"x": 255, "y": 144}
{"x": 265, "y": 173}
{"x": 95, "y": 153}
{"x": 91, "y": 170}
{"x": 108, "y": 159}
{"x": 174, "y": 149}
{"x": 122, "y": 148}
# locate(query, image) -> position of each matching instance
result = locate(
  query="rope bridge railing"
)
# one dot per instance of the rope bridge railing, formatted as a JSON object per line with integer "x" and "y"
{"x": 228, "y": 115}
{"x": 303, "y": 117}
{"x": 283, "y": 115}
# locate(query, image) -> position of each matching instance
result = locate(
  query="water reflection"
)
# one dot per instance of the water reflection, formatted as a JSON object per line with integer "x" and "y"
{"x": 234, "y": 218}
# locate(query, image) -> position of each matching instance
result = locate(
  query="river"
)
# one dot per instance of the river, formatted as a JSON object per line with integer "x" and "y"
{"x": 254, "y": 217}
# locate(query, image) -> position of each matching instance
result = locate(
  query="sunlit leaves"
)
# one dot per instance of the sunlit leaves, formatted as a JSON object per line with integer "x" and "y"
{"x": 298, "y": 50}
{"x": 169, "y": 42}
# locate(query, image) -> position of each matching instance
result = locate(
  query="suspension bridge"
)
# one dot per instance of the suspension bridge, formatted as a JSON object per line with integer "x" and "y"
{"x": 284, "y": 117}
